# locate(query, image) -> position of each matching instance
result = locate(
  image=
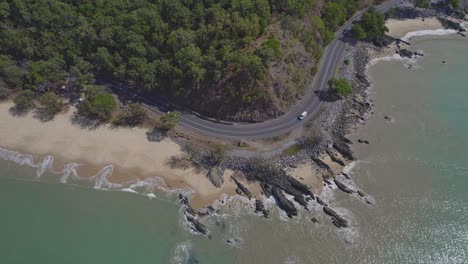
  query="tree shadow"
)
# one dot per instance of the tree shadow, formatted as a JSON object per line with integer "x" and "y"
{"x": 18, "y": 112}
{"x": 327, "y": 96}
{"x": 156, "y": 135}
{"x": 179, "y": 162}
{"x": 42, "y": 115}
{"x": 85, "y": 123}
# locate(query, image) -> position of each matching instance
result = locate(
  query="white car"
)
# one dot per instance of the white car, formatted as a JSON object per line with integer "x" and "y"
{"x": 303, "y": 115}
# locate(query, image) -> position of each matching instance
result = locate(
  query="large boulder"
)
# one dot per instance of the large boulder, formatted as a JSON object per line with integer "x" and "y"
{"x": 343, "y": 187}
{"x": 215, "y": 175}
{"x": 242, "y": 188}
{"x": 283, "y": 202}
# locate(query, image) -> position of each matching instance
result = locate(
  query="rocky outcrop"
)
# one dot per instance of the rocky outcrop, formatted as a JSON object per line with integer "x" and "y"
{"x": 343, "y": 149}
{"x": 260, "y": 208}
{"x": 337, "y": 220}
{"x": 323, "y": 166}
{"x": 363, "y": 141}
{"x": 449, "y": 24}
{"x": 334, "y": 158}
{"x": 190, "y": 215}
{"x": 399, "y": 41}
{"x": 360, "y": 193}
{"x": 383, "y": 41}
{"x": 271, "y": 178}
{"x": 242, "y": 188}
{"x": 343, "y": 187}
{"x": 196, "y": 225}
{"x": 346, "y": 175}
{"x": 283, "y": 202}
{"x": 266, "y": 188}
{"x": 409, "y": 54}
{"x": 215, "y": 175}
{"x": 321, "y": 202}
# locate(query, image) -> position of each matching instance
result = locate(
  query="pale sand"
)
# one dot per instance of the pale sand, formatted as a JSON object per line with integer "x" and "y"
{"x": 399, "y": 28}
{"x": 312, "y": 176}
{"x": 127, "y": 149}
{"x": 309, "y": 175}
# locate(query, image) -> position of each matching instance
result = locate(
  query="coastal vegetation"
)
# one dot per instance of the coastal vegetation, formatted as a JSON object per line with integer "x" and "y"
{"x": 340, "y": 86}
{"x": 454, "y": 3}
{"x": 169, "y": 120}
{"x": 293, "y": 150}
{"x": 51, "y": 104}
{"x": 98, "y": 104}
{"x": 422, "y": 3}
{"x": 255, "y": 54}
{"x": 133, "y": 115}
{"x": 370, "y": 27}
{"x": 24, "y": 100}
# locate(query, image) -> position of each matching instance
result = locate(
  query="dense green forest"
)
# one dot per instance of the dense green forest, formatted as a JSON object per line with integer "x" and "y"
{"x": 219, "y": 57}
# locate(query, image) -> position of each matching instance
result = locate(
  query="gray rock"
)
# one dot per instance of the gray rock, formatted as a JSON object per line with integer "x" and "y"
{"x": 216, "y": 176}
{"x": 343, "y": 187}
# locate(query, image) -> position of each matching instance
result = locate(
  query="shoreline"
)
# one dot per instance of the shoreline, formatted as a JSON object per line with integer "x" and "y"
{"x": 135, "y": 160}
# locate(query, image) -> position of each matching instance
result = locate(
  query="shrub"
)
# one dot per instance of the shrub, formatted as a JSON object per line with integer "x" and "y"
{"x": 52, "y": 104}
{"x": 98, "y": 104}
{"x": 24, "y": 100}
{"x": 133, "y": 115}
{"x": 169, "y": 121}
{"x": 340, "y": 86}
{"x": 4, "y": 93}
{"x": 422, "y": 3}
{"x": 293, "y": 150}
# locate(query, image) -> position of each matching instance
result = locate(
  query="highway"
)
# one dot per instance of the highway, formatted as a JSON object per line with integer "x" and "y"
{"x": 289, "y": 121}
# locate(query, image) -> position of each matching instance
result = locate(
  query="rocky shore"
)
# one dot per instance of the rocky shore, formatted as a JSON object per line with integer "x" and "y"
{"x": 338, "y": 120}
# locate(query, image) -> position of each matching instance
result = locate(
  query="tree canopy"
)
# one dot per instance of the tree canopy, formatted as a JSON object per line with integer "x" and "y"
{"x": 370, "y": 27}
{"x": 133, "y": 115}
{"x": 98, "y": 104}
{"x": 340, "y": 86}
{"x": 24, "y": 100}
{"x": 169, "y": 121}
{"x": 51, "y": 104}
{"x": 191, "y": 52}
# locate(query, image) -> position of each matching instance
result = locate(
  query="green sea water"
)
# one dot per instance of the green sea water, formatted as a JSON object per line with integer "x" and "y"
{"x": 415, "y": 171}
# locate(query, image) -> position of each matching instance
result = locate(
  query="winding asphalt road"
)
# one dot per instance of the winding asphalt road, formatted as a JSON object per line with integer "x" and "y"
{"x": 286, "y": 123}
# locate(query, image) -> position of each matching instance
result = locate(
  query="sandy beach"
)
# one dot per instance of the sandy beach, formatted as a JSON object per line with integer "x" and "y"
{"x": 399, "y": 28}
{"x": 405, "y": 29}
{"x": 127, "y": 149}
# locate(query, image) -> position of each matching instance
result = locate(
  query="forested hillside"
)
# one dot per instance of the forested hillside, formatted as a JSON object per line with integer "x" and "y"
{"x": 244, "y": 59}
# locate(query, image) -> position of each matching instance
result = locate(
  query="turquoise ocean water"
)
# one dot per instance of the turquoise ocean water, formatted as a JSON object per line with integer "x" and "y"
{"x": 415, "y": 170}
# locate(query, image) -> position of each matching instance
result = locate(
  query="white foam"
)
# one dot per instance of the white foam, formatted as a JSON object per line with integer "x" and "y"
{"x": 151, "y": 196}
{"x": 45, "y": 165}
{"x": 348, "y": 168}
{"x": 434, "y": 32}
{"x": 464, "y": 25}
{"x": 16, "y": 157}
{"x": 130, "y": 190}
{"x": 100, "y": 179}
{"x": 387, "y": 58}
{"x": 69, "y": 171}
{"x": 181, "y": 253}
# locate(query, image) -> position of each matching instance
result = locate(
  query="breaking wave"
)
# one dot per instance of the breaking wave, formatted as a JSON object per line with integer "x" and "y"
{"x": 435, "y": 32}
{"x": 100, "y": 181}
